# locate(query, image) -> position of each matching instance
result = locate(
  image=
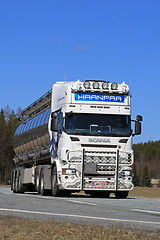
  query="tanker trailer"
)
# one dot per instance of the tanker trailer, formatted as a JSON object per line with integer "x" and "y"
{"x": 32, "y": 145}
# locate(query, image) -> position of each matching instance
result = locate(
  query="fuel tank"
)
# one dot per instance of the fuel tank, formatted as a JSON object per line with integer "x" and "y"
{"x": 32, "y": 134}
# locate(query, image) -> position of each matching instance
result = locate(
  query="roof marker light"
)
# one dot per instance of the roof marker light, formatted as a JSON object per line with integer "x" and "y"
{"x": 114, "y": 86}
{"x": 96, "y": 85}
{"x": 105, "y": 85}
{"x": 87, "y": 84}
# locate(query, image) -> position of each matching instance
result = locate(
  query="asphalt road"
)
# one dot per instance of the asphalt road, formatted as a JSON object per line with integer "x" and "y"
{"x": 137, "y": 213}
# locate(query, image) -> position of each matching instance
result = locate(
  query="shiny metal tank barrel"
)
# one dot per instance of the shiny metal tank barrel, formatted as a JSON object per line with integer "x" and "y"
{"x": 32, "y": 134}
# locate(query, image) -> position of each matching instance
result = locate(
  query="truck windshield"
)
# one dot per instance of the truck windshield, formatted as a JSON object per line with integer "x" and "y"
{"x": 96, "y": 124}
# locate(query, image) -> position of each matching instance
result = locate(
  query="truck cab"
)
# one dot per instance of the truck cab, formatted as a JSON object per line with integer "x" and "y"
{"x": 91, "y": 137}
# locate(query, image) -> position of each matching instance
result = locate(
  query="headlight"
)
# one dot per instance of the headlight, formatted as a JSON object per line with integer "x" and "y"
{"x": 96, "y": 85}
{"x": 75, "y": 159}
{"x": 87, "y": 84}
{"x": 126, "y": 173}
{"x": 105, "y": 85}
{"x": 68, "y": 171}
{"x": 114, "y": 86}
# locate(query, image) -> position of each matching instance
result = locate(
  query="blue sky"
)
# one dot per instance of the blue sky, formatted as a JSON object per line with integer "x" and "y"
{"x": 113, "y": 40}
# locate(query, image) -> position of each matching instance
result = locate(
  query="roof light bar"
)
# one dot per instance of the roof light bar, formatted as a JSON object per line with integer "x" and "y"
{"x": 104, "y": 86}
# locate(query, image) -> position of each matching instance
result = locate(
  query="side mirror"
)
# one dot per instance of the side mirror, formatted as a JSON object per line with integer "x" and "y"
{"x": 137, "y": 125}
{"x": 54, "y": 124}
{"x": 139, "y": 118}
{"x": 137, "y": 128}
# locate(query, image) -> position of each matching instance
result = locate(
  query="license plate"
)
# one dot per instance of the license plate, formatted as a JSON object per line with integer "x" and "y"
{"x": 99, "y": 184}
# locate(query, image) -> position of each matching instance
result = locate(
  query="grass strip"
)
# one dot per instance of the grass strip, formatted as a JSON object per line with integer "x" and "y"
{"x": 13, "y": 228}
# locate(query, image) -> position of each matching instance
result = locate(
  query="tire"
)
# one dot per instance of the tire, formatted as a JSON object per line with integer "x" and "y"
{"x": 38, "y": 183}
{"x": 43, "y": 191}
{"x": 21, "y": 188}
{"x": 17, "y": 185}
{"x": 14, "y": 182}
{"x": 12, "y": 177}
{"x": 121, "y": 194}
{"x": 54, "y": 184}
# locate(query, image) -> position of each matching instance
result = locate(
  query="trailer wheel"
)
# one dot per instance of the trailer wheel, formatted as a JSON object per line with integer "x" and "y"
{"x": 54, "y": 185}
{"x": 20, "y": 187}
{"x": 121, "y": 194}
{"x": 12, "y": 178}
{"x": 14, "y": 181}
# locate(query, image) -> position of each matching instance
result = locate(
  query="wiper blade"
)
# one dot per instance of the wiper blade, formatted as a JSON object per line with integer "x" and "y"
{"x": 112, "y": 134}
{"x": 77, "y": 133}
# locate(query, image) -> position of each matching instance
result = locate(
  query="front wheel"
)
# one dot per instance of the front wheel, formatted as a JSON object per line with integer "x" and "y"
{"x": 54, "y": 183}
{"x": 42, "y": 189}
{"x": 121, "y": 194}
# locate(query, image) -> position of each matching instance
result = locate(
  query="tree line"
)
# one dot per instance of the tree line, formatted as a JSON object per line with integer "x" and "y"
{"x": 8, "y": 124}
{"x": 146, "y": 164}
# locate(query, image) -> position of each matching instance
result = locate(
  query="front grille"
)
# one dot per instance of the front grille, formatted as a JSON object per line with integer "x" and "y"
{"x": 105, "y": 157}
{"x": 100, "y": 157}
{"x": 110, "y": 169}
{"x": 105, "y": 161}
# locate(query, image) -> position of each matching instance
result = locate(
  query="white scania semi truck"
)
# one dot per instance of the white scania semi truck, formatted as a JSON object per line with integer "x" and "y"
{"x": 76, "y": 137}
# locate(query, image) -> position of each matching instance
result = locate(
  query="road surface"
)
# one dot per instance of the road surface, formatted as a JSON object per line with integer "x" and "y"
{"x": 137, "y": 213}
